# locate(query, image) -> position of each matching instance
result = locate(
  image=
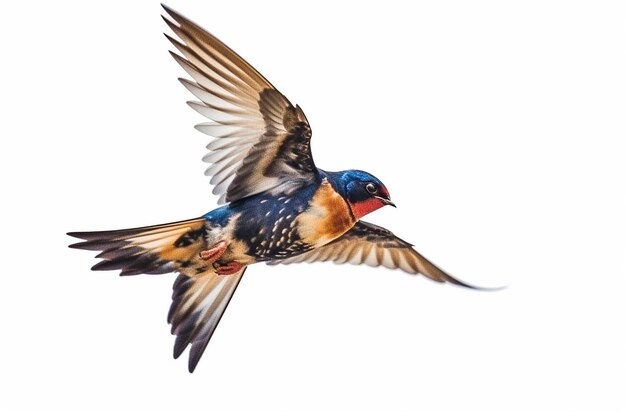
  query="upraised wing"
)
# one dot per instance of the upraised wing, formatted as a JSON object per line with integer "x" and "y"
{"x": 373, "y": 245}
{"x": 261, "y": 141}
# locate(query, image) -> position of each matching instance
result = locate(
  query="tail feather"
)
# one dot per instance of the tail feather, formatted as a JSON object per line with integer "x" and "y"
{"x": 147, "y": 250}
{"x": 198, "y": 303}
{"x": 200, "y": 295}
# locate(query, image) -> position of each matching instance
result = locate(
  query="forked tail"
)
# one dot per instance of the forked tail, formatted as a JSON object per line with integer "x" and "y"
{"x": 200, "y": 294}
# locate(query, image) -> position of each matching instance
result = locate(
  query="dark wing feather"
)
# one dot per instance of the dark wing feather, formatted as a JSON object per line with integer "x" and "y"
{"x": 373, "y": 245}
{"x": 261, "y": 141}
{"x": 198, "y": 303}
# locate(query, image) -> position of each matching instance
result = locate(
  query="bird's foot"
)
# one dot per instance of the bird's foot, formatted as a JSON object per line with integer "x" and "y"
{"x": 227, "y": 269}
{"x": 214, "y": 253}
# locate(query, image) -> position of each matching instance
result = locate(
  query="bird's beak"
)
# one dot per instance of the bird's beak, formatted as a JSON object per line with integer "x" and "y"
{"x": 386, "y": 201}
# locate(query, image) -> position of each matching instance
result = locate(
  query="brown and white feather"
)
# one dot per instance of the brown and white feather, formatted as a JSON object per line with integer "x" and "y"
{"x": 148, "y": 250}
{"x": 372, "y": 245}
{"x": 198, "y": 303}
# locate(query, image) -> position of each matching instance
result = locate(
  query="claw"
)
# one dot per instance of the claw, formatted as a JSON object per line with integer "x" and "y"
{"x": 228, "y": 269}
{"x": 213, "y": 254}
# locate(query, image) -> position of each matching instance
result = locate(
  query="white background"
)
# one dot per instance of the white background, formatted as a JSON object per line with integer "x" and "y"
{"x": 498, "y": 129}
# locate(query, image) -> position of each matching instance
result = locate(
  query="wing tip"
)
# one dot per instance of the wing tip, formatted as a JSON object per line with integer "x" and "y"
{"x": 459, "y": 283}
{"x": 187, "y": 83}
{"x": 168, "y": 9}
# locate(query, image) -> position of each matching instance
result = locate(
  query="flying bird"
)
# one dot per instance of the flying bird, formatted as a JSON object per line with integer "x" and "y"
{"x": 276, "y": 206}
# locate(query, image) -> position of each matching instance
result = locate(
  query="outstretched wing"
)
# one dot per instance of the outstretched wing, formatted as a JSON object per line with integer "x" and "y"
{"x": 198, "y": 304}
{"x": 373, "y": 245}
{"x": 261, "y": 141}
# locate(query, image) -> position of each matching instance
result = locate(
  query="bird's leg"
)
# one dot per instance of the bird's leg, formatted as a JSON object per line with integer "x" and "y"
{"x": 213, "y": 253}
{"x": 227, "y": 269}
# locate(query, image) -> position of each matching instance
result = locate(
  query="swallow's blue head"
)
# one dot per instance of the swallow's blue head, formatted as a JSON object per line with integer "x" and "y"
{"x": 363, "y": 192}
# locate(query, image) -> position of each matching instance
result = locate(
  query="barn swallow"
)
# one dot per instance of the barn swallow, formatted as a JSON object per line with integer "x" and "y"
{"x": 276, "y": 206}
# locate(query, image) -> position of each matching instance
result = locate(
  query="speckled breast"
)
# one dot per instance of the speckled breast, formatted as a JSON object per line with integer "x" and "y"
{"x": 277, "y": 227}
{"x": 269, "y": 226}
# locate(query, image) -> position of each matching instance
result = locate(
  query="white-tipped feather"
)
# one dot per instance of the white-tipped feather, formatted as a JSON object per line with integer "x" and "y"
{"x": 236, "y": 142}
{"x": 218, "y": 156}
{"x": 387, "y": 260}
{"x": 225, "y": 131}
{"x": 223, "y": 174}
{"x": 212, "y": 99}
{"x": 223, "y": 164}
{"x": 229, "y": 118}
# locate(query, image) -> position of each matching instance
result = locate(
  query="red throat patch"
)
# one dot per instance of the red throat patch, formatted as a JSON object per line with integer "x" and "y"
{"x": 362, "y": 208}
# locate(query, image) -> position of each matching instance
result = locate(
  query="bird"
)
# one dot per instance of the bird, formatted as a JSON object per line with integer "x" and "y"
{"x": 275, "y": 206}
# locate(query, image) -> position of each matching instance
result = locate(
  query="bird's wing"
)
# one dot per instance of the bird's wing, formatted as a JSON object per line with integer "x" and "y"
{"x": 373, "y": 245}
{"x": 261, "y": 141}
{"x": 198, "y": 303}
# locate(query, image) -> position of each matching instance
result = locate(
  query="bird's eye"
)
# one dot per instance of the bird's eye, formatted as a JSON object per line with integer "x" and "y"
{"x": 371, "y": 188}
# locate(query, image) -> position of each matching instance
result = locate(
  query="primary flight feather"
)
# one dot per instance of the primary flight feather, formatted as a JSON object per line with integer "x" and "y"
{"x": 276, "y": 205}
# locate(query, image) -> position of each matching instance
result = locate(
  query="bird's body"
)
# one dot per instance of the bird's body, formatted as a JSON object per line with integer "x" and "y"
{"x": 273, "y": 226}
{"x": 278, "y": 206}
